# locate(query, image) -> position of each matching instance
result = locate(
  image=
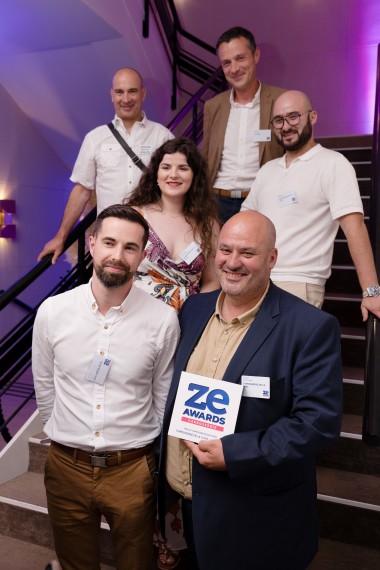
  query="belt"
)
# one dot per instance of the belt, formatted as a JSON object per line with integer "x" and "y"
{"x": 231, "y": 193}
{"x": 103, "y": 458}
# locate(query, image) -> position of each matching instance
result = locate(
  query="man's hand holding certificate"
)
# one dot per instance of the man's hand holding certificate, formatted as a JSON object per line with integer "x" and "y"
{"x": 209, "y": 453}
{"x": 204, "y": 408}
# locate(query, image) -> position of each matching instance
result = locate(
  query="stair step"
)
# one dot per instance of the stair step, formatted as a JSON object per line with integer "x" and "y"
{"x": 363, "y": 169}
{"x": 18, "y": 555}
{"x": 353, "y": 374}
{"x": 352, "y": 426}
{"x": 346, "y": 143}
{"x": 341, "y": 253}
{"x": 353, "y": 333}
{"x": 353, "y": 350}
{"x": 365, "y": 186}
{"x": 336, "y": 555}
{"x": 354, "y": 489}
{"x": 343, "y": 297}
{"x": 346, "y": 308}
{"x": 38, "y": 448}
{"x": 343, "y": 278}
{"x": 350, "y": 453}
{"x": 353, "y": 398}
{"x": 23, "y": 514}
{"x": 349, "y": 507}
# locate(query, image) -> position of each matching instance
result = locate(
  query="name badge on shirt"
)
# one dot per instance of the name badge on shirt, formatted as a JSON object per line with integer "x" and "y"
{"x": 190, "y": 253}
{"x": 286, "y": 199}
{"x": 98, "y": 370}
{"x": 145, "y": 150}
{"x": 262, "y": 135}
{"x": 256, "y": 386}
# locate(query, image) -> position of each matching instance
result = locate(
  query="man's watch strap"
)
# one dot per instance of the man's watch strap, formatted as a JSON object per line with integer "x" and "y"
{"x": 372, "y": 291}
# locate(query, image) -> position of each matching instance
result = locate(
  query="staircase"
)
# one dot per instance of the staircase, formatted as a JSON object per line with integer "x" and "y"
{"x": 349, "y": 472}
{"x": 26, "y": 539}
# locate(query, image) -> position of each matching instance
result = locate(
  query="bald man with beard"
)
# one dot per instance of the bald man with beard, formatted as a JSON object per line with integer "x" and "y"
{"x": 103, "y": 166}
{"x": 308, "y": 194}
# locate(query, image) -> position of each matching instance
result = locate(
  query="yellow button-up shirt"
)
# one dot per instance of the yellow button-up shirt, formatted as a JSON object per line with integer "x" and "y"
{"x": 211, "y": 357}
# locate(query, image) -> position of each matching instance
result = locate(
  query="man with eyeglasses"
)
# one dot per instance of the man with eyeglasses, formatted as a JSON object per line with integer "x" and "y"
{"x": 308, "y": 193}
{"x": 236, "y": 127}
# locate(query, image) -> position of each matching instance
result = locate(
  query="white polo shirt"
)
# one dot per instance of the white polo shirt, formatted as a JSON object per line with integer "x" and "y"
{"x": 304, "y": 202}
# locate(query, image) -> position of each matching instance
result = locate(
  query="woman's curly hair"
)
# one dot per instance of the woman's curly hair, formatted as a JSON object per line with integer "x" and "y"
{"x": 200, "y": 207}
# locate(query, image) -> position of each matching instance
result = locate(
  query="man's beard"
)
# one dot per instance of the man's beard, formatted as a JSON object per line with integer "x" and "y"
{"x": 303, "y": 138}
{"x": 113, "y": 280}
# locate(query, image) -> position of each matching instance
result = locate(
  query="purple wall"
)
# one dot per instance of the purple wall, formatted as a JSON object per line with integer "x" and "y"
{"x": 57, "y": 59}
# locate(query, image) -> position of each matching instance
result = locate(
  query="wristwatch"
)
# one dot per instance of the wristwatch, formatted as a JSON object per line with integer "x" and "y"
{"x": 372, "y": 291}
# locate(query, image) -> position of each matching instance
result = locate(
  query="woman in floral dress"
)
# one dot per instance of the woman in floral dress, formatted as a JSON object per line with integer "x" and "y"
{"x": 175, "y": 198}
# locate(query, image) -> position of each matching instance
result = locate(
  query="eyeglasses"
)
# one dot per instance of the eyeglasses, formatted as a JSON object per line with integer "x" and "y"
{"x": 292, "y": 119}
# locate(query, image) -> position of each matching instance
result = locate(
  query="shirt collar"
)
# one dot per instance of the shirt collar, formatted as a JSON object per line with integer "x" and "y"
{"x": 307, "y": 156}
{"x": 244, "y": 317}
{"x": 113, "y": 310}
{"x": 255, "y": 100}
{"x": 119, "y": 123}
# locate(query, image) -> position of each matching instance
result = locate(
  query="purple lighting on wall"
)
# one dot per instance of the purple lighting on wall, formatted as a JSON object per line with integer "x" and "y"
{"x": 366, "y": 28}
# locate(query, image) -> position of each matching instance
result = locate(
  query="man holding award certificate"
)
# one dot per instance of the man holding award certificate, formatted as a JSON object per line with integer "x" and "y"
{"x": 249, "y": 492}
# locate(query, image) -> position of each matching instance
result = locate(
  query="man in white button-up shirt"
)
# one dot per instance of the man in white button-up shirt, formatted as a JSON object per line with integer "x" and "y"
{"x": 102, "y": 164}
{"x": 236, "y": 127}
{"x": 102, "y": 366}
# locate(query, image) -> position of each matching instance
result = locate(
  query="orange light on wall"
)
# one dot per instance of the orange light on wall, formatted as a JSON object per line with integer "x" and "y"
{"x": 7, "y": 209}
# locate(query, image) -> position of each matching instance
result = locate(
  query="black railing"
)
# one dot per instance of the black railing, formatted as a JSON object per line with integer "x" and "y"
{"x": 15, "y": 346}
{"x": 194, "y": 127}
{"x": 371, "y": 417}
{"x": 77, "y": 234}
{"x": 181, "y": 60}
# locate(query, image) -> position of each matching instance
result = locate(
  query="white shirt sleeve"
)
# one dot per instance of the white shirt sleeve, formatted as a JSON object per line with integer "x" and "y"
{"x": 164, "y": 364}
{"x": 250, "y": 201}
{"x": 43, "y": 364}
{"x": 84, "y": 171}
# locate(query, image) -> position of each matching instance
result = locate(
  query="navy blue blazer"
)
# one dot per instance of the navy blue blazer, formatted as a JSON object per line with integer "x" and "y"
{"x": 260, "y": 514}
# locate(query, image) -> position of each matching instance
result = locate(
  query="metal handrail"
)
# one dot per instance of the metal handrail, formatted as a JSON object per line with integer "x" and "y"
{"x": 170, "y": 28}
{"x": 24, "y": 282}
{"x": 194, "y": 99}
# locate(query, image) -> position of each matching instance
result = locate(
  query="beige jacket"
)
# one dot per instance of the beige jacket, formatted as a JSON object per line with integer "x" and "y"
{"x": 216, "y": 112}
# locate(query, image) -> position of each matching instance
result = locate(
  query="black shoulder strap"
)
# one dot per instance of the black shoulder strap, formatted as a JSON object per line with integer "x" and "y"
{"x": 137, "y": 161}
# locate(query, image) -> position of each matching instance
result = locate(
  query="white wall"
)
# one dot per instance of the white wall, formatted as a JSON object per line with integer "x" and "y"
{"x": 56, "y": 65}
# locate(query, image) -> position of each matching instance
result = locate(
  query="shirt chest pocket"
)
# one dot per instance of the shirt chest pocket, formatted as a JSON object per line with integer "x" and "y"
{"x": 110, "y": 154}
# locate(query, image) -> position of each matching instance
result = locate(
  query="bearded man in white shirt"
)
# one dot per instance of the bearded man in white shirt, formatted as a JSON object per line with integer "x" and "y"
{"x": 102, "y": 164}
{"x": 308, "y": 194}
{"x": 102, "y": 366}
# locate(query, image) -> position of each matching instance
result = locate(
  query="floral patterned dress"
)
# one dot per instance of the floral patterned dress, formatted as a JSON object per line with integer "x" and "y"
{"x": 167, "y": 279}
{"x": 172, "y": 282}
